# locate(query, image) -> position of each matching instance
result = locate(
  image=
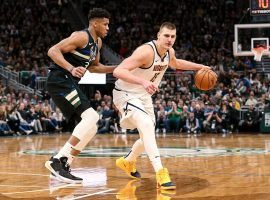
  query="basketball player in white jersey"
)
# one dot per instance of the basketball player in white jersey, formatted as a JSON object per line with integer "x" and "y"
{"x": 138, "y": 78}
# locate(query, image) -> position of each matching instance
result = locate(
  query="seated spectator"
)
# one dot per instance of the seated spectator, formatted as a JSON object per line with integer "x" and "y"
{"x": 183, "y": 117}
{"x": 250, "y": 121}
{"x": 224, "y": 114}
{"x": 59, "y": 118}
{"x": 35, "y": 120}
{"x": 173, "y": 120}
{"x": 199, "y": 114}
{"x": 161, "y": 120}
{"x": 49, "y": 123}
{"x": 234, "y": 115}
{"x": 251, "y": 100}
{"x": 192, "y": 124}
{"x": 16, "y": 122}
{"x": 106, "y": 116}
{"x": 4, "y": 127}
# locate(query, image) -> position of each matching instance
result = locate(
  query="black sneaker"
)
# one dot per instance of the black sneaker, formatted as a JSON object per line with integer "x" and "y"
{"x": 61, "y": 169}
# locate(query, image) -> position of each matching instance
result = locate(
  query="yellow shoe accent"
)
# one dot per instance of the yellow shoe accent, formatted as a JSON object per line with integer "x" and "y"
{"x": 161, "y": 196}
{"x": 128, "y": 192}
{"x": 128, "y": 167}
{"x": 163, "y": 180}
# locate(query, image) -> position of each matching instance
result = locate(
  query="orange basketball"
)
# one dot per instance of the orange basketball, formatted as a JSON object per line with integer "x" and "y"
{"x": 205, "y": 79}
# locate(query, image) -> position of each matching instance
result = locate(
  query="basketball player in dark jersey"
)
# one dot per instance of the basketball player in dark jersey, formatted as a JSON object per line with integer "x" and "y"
{"x": 72, "y": 57}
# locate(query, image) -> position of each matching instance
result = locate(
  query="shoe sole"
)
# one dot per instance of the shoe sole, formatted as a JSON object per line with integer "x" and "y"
{"x": 123, "y": 168}
{"x": 166, "y": 188}
{"x": 57, "y": 176}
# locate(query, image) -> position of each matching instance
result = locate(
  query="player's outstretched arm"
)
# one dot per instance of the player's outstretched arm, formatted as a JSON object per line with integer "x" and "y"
{"x": 183, "y": 64}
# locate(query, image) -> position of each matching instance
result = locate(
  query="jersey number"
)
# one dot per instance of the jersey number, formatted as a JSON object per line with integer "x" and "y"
{"x": 155, "y": 77}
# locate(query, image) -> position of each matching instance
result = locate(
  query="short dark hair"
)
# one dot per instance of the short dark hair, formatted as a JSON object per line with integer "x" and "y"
{"x": 98, "y": 13}
{"x": 168, "y": 25}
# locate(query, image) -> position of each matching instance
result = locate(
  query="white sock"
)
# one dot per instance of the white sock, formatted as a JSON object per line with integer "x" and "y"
{"x": 65, "y": 152}
{"x": 156, "y": 162}
{"x": 136, "y": 151}
{"x": 147, "y": 131}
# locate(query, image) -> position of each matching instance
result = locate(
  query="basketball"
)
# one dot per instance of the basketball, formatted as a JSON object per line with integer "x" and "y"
{"x": 205, "y": 79}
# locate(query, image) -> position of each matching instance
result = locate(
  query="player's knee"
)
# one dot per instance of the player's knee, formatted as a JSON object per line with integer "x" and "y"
{"x": 90, "y": 115}
{"x": 143, "y": 120}
{"x": 94, "y": 129}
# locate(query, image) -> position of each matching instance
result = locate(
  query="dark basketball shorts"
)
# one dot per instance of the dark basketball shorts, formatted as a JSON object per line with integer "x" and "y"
{"x": 66, "y": 94}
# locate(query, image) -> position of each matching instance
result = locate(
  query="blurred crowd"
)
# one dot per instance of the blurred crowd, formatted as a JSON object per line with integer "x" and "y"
{"x": 204, "y": 35}
{"x": 27, "y": 29}
{"x": 179, "y": 107}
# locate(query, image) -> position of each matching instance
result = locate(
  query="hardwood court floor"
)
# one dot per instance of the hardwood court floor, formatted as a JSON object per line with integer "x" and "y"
{"x": 236, "y": 167}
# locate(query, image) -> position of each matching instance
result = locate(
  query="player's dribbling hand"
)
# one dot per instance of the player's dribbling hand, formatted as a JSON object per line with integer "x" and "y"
{"x": 78, "y": 72}
{"x": 150, "y": 87}
{"x": 205, "y": 67}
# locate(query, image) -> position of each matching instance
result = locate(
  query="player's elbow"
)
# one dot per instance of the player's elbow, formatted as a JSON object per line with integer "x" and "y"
{"x": 117, "y": 72}
{"x": 50, "y": 52}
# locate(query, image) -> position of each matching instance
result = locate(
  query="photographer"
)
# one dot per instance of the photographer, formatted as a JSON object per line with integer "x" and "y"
{"x": 213, "y": 123}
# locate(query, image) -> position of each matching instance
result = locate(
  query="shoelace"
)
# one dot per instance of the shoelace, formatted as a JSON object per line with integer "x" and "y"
{"x": 67, "y": 167}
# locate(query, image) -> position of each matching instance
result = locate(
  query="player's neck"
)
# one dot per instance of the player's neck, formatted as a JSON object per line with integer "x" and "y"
{"x": 93, "y": 34}
{"x": 161, "y": 51}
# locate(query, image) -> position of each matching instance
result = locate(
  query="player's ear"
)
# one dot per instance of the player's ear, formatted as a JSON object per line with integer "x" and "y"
{"x": 158, "y": 34}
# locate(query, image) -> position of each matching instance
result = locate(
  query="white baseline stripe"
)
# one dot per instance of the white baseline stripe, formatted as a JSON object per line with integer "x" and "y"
{"x": 88, "y": 195}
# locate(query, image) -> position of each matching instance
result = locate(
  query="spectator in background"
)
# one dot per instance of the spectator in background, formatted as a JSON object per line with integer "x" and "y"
{"x": 243, "y": 85}
{"x": 251, "y": 100}
{"x": 250, "y": 121}
{"x": 199, "y": 114}
{"x": 173, "y": 118}
{"x": 36, "y": 123}
{"x": 192, "y": 125}
{"x": 105, "y": 120}
{"x": 161, "y": 120}
{"x": 212, "y": 124}
{"x": 224, "y": 114}
{"x": 58, "y": 116}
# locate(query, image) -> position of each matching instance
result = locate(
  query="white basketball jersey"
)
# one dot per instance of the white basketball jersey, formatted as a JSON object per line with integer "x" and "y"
{"x": 153, "y": 73}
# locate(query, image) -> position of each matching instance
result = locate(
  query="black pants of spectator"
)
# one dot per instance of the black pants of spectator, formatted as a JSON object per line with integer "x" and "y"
{"x": 14, "y": 125}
